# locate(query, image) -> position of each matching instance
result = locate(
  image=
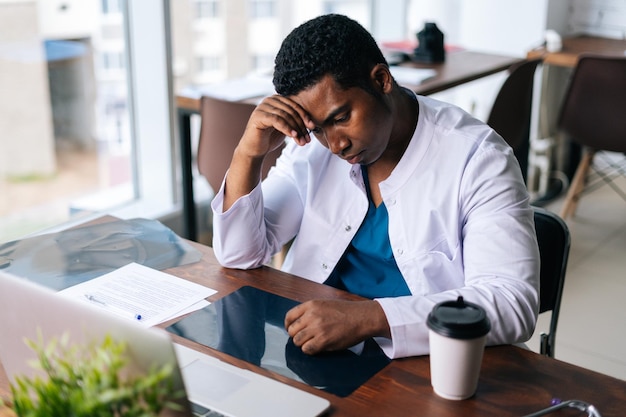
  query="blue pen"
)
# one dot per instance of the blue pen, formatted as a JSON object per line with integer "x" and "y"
{"x": 114, "y": 309}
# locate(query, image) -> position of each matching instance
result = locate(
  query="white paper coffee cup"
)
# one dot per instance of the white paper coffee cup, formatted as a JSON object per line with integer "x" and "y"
{"x": 457, "y": 334}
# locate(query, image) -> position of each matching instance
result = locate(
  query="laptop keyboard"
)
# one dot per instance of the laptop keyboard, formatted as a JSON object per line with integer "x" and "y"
{"x": 200, "y": 411}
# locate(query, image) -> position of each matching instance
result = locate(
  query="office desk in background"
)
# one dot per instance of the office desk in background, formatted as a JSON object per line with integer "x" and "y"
{"x": 513, "y": 381}
{"x": 460, "y": 67}
{"x": 574, "y": 46}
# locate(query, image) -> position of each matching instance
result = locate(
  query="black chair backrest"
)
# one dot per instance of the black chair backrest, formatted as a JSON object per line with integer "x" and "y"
{"x": 594, "y": 108}
{"x": 511, "y": 111}
{"x": 553, "y": 238}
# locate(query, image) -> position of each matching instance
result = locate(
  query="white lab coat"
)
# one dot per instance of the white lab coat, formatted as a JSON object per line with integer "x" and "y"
{"x": 459, "y": 224}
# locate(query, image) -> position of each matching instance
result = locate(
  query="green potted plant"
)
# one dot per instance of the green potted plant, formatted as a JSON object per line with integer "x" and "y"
{"x": 88, "y": 382}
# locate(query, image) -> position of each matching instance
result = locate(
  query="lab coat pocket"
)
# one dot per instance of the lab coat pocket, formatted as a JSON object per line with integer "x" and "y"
{"x": 440, "y": 246}
{"x": 439, "y": 269}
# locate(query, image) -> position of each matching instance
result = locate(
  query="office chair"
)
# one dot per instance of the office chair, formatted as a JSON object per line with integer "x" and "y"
{"x": 222, "y": 125}
{"x": 593, "y": 115}
{"x": 512, "y": 108}
{"x": 553, "y": 238}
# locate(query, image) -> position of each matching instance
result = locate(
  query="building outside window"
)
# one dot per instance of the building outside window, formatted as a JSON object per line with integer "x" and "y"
{"x": 58, "y": 133}
{"x": 260, "y": 9}
{"x": 113, "y": 61}
{"x": 262, "y": 63}
{"x": 111, "y": 6}
{"x": 83, "y": 109}
{"x": 208, "y": 63}
{"x": 204, "y": 9}
{"x": 69, "y": 146}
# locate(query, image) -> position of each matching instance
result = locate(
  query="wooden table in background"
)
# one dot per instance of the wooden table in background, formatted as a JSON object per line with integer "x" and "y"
{"x": 574, "y": 46}
{"x": 513, "y": 381}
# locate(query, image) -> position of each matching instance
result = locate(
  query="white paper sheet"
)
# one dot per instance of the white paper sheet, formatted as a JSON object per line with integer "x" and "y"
{"x": 142, "y": 294}
{"x": 235, "y": 89}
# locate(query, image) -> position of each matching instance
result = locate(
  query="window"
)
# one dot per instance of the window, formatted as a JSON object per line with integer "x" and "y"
{"x": 113, "y": 60}
{"x": 262, "y": 62}
{"x": 73, "y": 141}
{"x": 111, "y": 6}
{"x": 208, "y": 63}
{"x": 354, "y": 8}
{"x": 262, "y": 9}
{"x": 98, "y": 106}
{"x": 243, "y": 37}
{"x": 205, "y": 9}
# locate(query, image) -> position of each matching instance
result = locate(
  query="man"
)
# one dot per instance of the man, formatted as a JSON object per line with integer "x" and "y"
{"x": 399, "y": 198}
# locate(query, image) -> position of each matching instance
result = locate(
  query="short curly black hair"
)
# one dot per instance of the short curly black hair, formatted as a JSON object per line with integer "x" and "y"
{"x": 329, "y": 44}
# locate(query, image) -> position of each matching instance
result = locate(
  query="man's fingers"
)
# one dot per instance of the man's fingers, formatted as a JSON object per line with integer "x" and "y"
{"x": 310, "y": 347}
{"x": 299, "y": 329}
{"x": 292, "y": 325}
{"x": 307, "y": 340}
{"x": 286, "y": 116}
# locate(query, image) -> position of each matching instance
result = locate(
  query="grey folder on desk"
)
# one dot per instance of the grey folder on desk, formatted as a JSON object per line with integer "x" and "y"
{"x": 60, "y": 260}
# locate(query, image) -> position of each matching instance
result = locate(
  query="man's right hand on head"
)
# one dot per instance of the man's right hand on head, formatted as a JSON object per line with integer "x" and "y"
{"x": 273, "y": 119}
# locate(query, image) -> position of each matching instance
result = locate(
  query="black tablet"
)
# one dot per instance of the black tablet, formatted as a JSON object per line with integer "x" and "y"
{"x": 248, "y": 324}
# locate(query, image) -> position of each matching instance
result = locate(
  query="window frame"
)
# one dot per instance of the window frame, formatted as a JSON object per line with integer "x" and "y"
{"x": 148, "y": 54}
{"x": 156, "y": 165}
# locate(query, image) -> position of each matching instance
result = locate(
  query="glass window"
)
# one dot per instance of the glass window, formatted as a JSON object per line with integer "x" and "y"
{"x": 113, "y": 61}
{"x": 262, "y": 9}
{"x": 262, "y": 62}
{"x": 67, "y": 132}
{"x": 245, "y": 35}
{"x": 242, "y": 40}
{"x": 111, "y": 6}
{"x": 73, "y": 114}
{"x": 208, "y": 63}
{"x": 205, "y": 9}
{"x": 358, "y": 10}
{"x": 100, "y": 114}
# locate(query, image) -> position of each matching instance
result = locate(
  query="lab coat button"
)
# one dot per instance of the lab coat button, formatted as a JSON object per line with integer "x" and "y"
{"x": 348, "y": 228}
{"x": 400, "y": 251}
{"x": 324, "y": 266}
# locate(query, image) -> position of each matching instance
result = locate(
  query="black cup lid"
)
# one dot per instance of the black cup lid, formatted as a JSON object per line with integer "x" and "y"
{"x": 459, "y": 319}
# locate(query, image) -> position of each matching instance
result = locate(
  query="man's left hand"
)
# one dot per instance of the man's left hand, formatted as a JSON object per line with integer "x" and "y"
{"x": 323, "y": 325}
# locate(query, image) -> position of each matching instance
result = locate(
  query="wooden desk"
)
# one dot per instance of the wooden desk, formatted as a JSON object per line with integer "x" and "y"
{"x": 574, "y": 46}
{"x": 459, "y": 68}
{"x": 513, "y": 381}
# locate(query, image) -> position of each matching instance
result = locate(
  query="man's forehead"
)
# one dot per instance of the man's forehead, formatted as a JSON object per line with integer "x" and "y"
{"x": 322, "y": 98}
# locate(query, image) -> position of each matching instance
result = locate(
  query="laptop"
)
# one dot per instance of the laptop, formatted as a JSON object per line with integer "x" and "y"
{"x": 212, "y": 387}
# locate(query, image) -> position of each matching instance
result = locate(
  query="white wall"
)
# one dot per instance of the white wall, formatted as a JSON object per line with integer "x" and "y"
{"x": 493, "y": 26}
{"x": 599, "y": 17}
{"x": 503, "y": 27}
{"x": 496, "y": 26}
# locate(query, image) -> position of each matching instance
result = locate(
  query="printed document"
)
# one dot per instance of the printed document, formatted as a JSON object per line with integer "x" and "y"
{"x": 142, "y": 294}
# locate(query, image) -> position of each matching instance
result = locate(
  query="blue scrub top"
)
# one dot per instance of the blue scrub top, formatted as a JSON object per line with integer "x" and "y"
{"x": 367, "y": 267}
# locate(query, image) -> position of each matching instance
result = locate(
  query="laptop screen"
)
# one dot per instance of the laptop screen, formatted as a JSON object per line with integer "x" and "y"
{"x": 248, "y": 324}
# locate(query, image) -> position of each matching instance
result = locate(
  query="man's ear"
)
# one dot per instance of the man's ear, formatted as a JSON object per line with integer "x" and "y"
{"x": 381, "y": 76}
